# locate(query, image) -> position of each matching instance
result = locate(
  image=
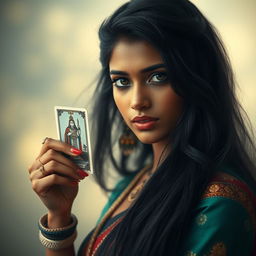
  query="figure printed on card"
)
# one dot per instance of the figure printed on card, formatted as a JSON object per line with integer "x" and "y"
{"x": 72, "y": 128}
{"x": 73, "y": 133}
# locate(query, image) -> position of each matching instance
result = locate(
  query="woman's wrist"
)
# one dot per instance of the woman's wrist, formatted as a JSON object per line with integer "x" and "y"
{"x": 58, "y": 220}
{"x": 60, "y": 234}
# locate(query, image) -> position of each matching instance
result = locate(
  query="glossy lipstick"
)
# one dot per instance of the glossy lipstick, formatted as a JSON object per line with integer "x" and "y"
{"x": 144, "y": 122}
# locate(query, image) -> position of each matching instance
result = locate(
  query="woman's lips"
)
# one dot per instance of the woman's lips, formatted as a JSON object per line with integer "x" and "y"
{"x": 144, "y": 122}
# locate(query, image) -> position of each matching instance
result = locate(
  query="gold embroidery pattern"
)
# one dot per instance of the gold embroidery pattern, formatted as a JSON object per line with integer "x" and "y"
{"x": 201, "y": 219}
{"x": 224, "y": 189}
{"x": 219, "y": 249}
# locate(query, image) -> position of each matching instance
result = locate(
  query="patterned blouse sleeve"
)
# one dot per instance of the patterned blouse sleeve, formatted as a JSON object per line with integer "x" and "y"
{"x": 224, "y": 223}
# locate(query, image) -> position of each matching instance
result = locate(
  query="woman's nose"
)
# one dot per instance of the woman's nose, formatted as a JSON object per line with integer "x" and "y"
{"x": 140, "y": 98}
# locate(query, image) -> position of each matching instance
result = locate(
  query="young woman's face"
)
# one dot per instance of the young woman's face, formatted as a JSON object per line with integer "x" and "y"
{"x": 141, "y": 89}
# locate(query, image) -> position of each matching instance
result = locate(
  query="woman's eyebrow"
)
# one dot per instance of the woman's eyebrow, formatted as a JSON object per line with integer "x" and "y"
{"x": 150, "y": 68}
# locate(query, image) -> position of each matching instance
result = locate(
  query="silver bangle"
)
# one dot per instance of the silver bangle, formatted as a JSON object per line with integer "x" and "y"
{"x": 57, "y": 245}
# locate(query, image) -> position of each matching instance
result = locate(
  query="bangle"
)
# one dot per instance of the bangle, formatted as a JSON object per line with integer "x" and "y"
{"x": 57, "y": 233}
{"x": 57, "y": 245}
{"x": 57, "y": 238}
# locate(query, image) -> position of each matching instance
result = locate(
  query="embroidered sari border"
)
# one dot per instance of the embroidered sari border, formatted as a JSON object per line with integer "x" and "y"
{"x": 229, "y": 187}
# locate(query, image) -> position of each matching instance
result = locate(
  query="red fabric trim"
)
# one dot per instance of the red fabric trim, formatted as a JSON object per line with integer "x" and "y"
{"x": 240, "y": 184}
{"x": 245, "y": 188}
{"x": 103, "y": 235}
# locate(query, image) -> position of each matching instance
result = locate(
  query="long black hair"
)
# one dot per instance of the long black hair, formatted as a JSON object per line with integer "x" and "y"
{"x": 213, "y": 129}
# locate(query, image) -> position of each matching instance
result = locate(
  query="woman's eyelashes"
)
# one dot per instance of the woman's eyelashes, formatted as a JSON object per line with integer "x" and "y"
{"x": 156, "y": 78}
{"x": 159, "y": 77}
{"x": 120, "y": 82}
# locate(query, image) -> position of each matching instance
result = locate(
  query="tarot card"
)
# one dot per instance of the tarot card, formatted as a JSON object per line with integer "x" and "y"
{"x": 73, "y": 128}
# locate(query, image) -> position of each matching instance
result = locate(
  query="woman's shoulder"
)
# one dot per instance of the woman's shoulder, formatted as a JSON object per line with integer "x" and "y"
{"x": 227, "y": 173}
{"x": 224, "y": 217}
{"x": 227, "y": 185}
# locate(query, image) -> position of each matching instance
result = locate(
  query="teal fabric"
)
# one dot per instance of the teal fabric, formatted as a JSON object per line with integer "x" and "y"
{"x": 120, "y": 186}
{"x": 222, "y": 226}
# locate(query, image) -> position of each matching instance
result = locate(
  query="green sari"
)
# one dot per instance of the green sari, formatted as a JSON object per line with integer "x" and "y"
{"x": 225, "y": 218}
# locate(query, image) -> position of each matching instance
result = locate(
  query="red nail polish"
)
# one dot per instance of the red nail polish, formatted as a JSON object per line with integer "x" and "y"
{"x": 82, "y": 173}
{"x": 76, "y": 151}
{"x": 74, "y": 183}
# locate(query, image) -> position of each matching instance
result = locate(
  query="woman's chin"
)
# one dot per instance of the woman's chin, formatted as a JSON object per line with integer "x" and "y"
{"x": 147, "y": 139}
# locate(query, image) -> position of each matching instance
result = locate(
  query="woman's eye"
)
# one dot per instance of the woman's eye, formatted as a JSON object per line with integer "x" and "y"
{"x": 120, "y": 82}
{"x": 158, "y": 77}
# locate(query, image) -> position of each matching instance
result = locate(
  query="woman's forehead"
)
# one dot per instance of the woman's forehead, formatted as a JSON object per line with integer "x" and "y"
{"x": 139, "y": 52}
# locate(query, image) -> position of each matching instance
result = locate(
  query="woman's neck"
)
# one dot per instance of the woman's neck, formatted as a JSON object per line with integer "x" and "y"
{"x": 160, "y": 151}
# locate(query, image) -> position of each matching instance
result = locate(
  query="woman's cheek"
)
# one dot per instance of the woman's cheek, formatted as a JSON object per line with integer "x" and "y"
{"x": 120, "y": 105}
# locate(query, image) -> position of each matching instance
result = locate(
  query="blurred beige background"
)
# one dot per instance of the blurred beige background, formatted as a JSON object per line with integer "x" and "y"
{"x": 49, "y": 56}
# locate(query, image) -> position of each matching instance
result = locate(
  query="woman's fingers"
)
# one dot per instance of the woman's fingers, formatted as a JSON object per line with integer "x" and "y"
{"x": 54, "y": 167}
{"x": 59, "y": 146}
{"x": 52, "y": 159}
{"x": 53, "y": 155}
{"x": 41, "y": 186}
{"x": 54, "y": 176}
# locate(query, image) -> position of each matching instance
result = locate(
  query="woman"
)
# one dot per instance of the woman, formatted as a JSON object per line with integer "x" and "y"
{"x": 187, "y": 186}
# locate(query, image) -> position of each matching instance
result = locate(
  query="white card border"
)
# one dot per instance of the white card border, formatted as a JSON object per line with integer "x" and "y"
{"x": 87, "y": 128}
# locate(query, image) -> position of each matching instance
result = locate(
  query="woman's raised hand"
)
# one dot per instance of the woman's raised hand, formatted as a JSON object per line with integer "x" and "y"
{"x": 55, "y": 178}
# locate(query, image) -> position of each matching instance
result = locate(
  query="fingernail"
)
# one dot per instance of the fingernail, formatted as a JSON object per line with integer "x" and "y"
{"x": 74, "y": 183}
{"x": 82, "y": 173}
{"x": 76, "y": 151}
